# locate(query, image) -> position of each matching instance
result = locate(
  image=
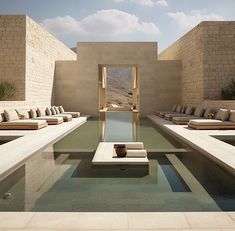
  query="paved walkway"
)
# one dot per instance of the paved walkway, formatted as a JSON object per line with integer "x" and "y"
{"x": 203, "y": 140}
{"x": 118, "y": 221}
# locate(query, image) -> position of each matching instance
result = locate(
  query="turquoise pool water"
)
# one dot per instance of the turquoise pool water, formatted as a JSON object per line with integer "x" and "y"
{"x": 62, "y": 178}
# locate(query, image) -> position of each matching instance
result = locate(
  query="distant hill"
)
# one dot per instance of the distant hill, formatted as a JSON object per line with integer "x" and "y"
{"x": 119, "y": 86}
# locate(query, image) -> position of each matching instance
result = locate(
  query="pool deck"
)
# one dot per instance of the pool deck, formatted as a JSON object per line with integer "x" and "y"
{"x": 206, "y": 221}
{"x": 11, "y": 154}
{"x": 203, "y": 140}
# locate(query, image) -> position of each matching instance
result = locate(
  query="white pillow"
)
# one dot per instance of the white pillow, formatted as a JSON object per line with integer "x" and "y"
{"x": 11, "y": 115}
{"x": 23, "y": 113}
{"x": 48, "y": 111}
{"x": 223, "y": 114}
{"x": 61, "y": 109}
{"x": 33, "y": 113}
{"x": 41, "y": 112}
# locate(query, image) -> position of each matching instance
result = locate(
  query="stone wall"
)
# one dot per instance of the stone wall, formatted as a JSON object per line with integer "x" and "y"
{"x": 230, "y": 104}
{"x": 189, "y": 49}
{"x": 219, "y": 57}
{"x": 27, "y": 58}
{"x": 207, "y": 54}
{"x": 42, "y": 51}
{"x": 12, "y": 52}
{"x": 160, "y": 82}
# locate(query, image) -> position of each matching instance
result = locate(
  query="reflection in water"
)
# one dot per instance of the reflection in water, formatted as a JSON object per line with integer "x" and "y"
{"x": 118, "y": 126}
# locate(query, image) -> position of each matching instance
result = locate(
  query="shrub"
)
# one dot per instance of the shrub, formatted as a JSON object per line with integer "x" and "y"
{"x": 228, "y": 93}
{"x": 7, "y": 90}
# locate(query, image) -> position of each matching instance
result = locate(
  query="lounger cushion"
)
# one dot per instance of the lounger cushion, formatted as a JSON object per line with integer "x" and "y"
{"x": 61, "y": 109}
{"x": 33, "y": 113}
{"x": 184, "y": 118}
{"x": 199, "y": 111}
{"x": 189, "y": 110}
{"x": 56, "y": 109}
{"x": 174, "y": 108}
{"x": 73, "y": 114}
{"x": 41, "y": 112}
{"x": 48, "y": 111}
{"x": 53, "y": 111}
{"x": 1, "y": 116}
{"x": 170, "y": 115}
{"x": 163, "y": 113}
{"x": 23, "y": 113}
{"x": 183, "y": 109}
{"x": 11, "y": 115}
{"x": 178, "y": 109}
{"x": 223, "y": 114}
{"x": 207, "y": 112}
{"x": 50, "y": 118}
{"x": 65, "y": 115}
{"x": 24, "y": 122}
{"x": 232, "y": 116}
{"x": 210, "y": 122}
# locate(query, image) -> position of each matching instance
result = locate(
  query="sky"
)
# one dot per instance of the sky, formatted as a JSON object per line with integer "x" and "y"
{"x": 163, "y": 21}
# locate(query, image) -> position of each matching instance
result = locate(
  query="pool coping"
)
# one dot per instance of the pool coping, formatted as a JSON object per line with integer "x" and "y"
{"x": 12, "y": 156}
{"x": 203, "y": 141}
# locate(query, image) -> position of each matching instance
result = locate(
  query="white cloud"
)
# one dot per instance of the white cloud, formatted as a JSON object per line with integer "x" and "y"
{"x": 188, "y": 21}
{"x": 149, "y": 3}
{"x": 162, "y": 3}
{"x": 103, "y": 22}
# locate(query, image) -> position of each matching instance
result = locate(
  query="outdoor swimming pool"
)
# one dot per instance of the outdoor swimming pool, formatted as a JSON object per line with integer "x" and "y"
{"x": 62, "y": 178}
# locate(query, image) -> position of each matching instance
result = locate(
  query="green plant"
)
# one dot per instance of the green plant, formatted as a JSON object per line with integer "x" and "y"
{"x": 7, "y": 90}
{"x": 228, "y": 93}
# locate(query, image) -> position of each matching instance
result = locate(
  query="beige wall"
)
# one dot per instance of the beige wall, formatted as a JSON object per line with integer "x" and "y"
{"x": 189, "y": 49}
{"x": 159, "y": 81}
{"x": 29, "y": 55}
{"x": 219, "y": 57}
{"x": 207, "y": 54}
{"x": 12, "y": 52}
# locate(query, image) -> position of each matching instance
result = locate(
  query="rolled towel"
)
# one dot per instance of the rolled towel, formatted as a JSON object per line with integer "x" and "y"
{"x": 136, "y": 153}
{"x": 134, "y": 145}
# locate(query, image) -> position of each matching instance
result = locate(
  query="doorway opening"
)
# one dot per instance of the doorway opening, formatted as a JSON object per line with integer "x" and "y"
{"x": 118, "y": 88}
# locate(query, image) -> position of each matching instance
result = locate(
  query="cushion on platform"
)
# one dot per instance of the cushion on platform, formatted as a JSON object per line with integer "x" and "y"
{"x": 11, "y": 115}
{"x": 48, "y": 111}
{"x": 223, "y": 114}
{"x": 41, "y": 112}
{"x": 189, "y": 110}
{"x": 199, "y": 111}
{"x": 61, "y": 109}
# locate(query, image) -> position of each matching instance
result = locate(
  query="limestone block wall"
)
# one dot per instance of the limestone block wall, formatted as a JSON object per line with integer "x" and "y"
{"x": 42, "y": 51}
{"x": 207, "y": 54}
{"x": 159, "y": 83}
{"x": 219, "y": 57}
{"x": 189, "y": 49}
{"x": 27, "y": 57}
{"x": 230, "y": 104}
{"x": 12, "y": 52}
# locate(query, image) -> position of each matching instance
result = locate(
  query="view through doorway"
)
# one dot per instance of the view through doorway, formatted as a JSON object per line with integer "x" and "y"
{"x": 118, "y": 88}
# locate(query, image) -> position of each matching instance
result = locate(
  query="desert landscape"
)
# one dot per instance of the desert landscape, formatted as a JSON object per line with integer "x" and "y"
{"x": 119, "y": 86}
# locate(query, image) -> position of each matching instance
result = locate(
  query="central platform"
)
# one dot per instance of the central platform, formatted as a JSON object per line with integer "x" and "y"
{"x": 104, "y": 155}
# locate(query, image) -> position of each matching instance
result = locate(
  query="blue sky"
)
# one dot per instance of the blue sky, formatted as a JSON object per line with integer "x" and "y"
{"x": 120, "y": 20}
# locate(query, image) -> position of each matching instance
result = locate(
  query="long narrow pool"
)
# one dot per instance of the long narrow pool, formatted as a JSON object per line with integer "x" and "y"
{"x": 62, "y": 178}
